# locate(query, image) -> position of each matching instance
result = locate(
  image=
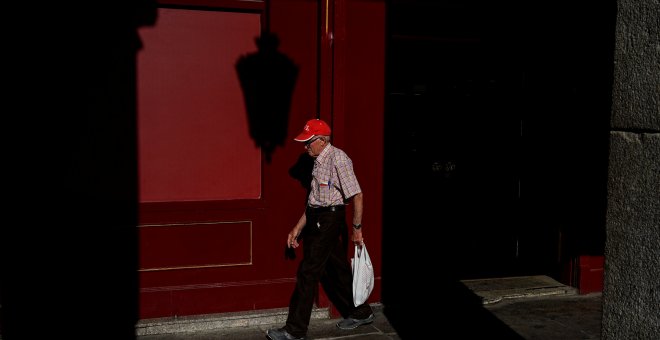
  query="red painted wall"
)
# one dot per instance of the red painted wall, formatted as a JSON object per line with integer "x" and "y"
{"x": 194, "y": 143}
{"x": 358, "y": 113}
{"x": 220, "y": 255}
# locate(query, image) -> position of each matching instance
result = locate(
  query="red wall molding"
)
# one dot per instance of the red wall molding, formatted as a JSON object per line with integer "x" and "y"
{"x": 195, "y": 245}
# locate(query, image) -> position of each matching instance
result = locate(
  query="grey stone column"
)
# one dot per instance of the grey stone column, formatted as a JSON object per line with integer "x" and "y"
{"x": 631, "y": 295}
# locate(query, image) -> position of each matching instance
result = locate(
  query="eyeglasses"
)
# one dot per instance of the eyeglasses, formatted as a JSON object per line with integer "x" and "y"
{"x": 309, "y": 142}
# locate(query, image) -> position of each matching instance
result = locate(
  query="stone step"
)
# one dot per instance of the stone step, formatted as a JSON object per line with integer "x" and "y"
{"x": 497, "y": 289}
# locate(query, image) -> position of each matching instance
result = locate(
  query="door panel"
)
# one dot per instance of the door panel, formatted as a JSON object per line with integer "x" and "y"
{"x": 212, "y": 208}
{"x": 452, "y": 134}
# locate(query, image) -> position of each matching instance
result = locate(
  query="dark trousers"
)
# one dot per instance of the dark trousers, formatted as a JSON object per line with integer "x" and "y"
{"x": 325, "y": 246}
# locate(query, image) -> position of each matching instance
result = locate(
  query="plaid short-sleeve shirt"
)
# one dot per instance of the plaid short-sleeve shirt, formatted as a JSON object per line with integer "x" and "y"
{"x": 333, "y": 179}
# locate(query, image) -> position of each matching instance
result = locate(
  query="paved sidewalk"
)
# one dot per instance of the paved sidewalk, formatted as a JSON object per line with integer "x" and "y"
{"x": 319, "y": 329}
{"x": 531, "y": 307}
{"x": 553, "y": 317}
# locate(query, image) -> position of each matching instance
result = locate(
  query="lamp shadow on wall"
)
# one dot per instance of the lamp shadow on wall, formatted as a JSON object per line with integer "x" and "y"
{"x": 267, "y": 78}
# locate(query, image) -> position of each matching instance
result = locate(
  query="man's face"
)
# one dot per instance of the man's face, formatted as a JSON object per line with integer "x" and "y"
{"x": 314, "y": 146}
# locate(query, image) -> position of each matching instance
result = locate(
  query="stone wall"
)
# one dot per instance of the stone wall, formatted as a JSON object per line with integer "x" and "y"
{"x": 631, "y": 296}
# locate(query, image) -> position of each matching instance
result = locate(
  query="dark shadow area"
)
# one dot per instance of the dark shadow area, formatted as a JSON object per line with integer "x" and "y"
{"x": 495, "y": 115}
{"x": 69, "y": 258}
{"x": 301, "y": 171}
{"x": 436, "y": 308}
{"x": 267, "y": 78}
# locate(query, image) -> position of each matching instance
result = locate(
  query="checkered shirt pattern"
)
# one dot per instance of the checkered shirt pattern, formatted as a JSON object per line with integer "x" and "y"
{"x": 333, "y": 179}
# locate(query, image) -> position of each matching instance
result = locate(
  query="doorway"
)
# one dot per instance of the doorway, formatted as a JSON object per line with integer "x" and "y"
{"x": 452, "y": 135}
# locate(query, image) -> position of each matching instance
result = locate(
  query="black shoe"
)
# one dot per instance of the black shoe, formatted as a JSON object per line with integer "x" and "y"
{"x": 350, "y": 323}
{"x": 281, "y": 334}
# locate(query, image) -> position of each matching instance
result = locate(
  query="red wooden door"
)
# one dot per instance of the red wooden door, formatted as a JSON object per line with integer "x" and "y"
{"x": 215, "y": 208}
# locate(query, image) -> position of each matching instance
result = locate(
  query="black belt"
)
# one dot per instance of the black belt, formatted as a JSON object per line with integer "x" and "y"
{"x": 327, "y": 209}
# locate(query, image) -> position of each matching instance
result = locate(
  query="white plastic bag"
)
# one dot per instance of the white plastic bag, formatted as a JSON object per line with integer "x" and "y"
{"x": 363, "y": 275}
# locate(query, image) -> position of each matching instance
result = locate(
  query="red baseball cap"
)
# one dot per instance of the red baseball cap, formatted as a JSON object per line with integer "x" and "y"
{"x": 314, "y": 127}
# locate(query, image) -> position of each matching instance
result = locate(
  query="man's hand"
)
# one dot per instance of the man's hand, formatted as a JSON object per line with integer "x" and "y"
{"x": 357, "y": 236}
{"x": 292, "y": 239}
